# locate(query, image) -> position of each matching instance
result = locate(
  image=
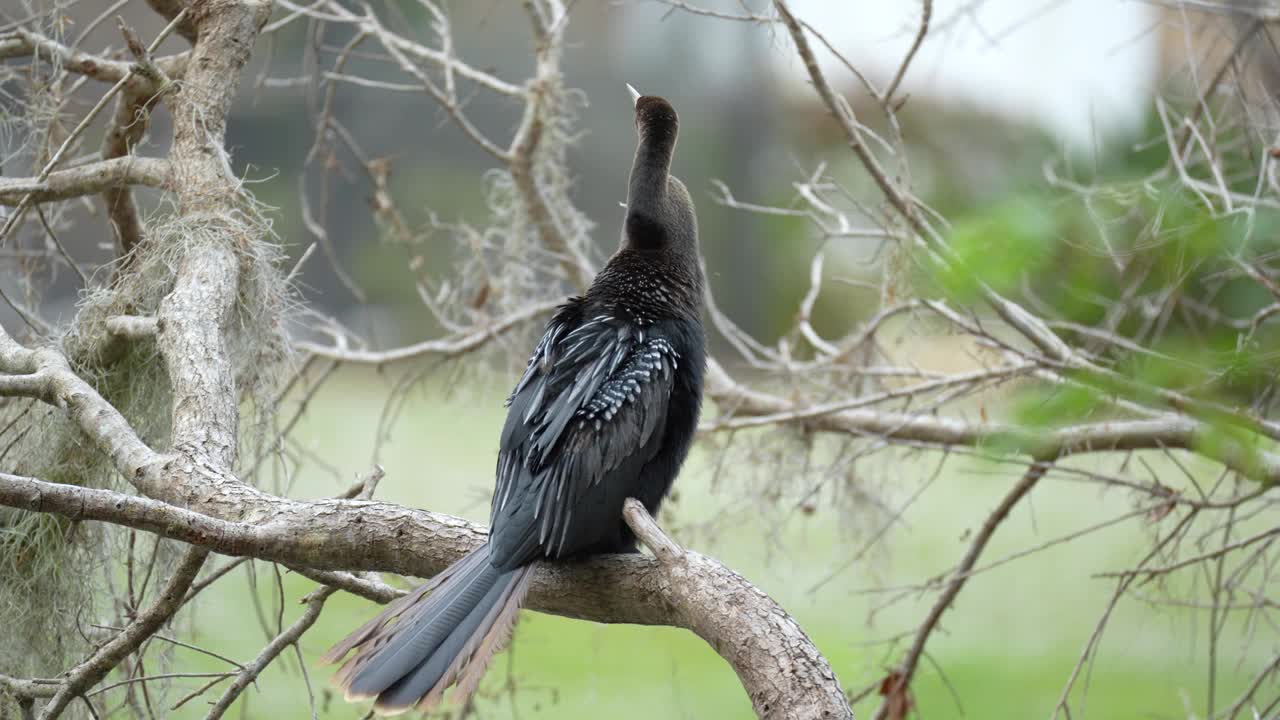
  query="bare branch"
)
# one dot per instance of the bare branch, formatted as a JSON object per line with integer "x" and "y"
{"x": 192, "y": 339}
{"x": 366, "y": 587}
{"x": 622, "y": 588}
{"x": 24, "y": 43}
{"x": 446, "y": 347}
{"x": 853, "y": 134}
{"x": 340, "y": 14}
{"x": 99, "y": 420}
{"x": 1168, "y": 431}
{"x": 30, "y": 688}
{"x": 450, "y": 104}
{"x": 89, "y": 179}
{"x": 861, "y": 388}
{"x": 36, "y": 386}
{"x": 650, "y": 533}
{"x": 926, "y": 13}
{"x": 122, "y": 137}
{"x": 781, "y": 669}
{"x": 1255, "y": 685}
{"x": 1268, "y": 534}
{"x": 345, "y": 534}
{"x": 126, "y": 131}
{"x": 898, "y": 687}
{"x": 269, "y": 653}
{"x": 529, "y": 135}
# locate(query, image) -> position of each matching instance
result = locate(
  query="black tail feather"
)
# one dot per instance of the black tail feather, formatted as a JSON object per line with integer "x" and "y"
{"x": 414, "y": 686}
{"x": 420, "y": 644}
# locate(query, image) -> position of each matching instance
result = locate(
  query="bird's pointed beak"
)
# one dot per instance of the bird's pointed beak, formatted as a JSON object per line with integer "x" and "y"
{"x": 635, "y": 94}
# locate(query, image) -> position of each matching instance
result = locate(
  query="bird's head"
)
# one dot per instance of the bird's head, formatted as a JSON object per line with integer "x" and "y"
{"x": 656, "y": 120}
{"x": 660, "y": 212}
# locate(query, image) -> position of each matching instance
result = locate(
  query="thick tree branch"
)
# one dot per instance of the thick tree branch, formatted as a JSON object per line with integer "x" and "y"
{"x": 193, "y": 319}
{"x": 780, "y": 667}
{"x": 332, "y": 534}
{"x": 28, "y": 689}
{"x": 98, "y": 419}
{"x": 192, "y": 339}
{"x": 204, "y": 181}
{"x": 340, "y": 535}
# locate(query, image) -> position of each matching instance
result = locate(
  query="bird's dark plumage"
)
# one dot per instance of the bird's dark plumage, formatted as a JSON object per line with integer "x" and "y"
{"x": 605, "y": 410}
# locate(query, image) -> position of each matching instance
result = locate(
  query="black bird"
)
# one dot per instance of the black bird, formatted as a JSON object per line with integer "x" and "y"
{"x": 606, "y": 410}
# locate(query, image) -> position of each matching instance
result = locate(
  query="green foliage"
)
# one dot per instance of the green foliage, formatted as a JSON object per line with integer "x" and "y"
{"x": 998, "y": 247}
{"x": 1173, "y": 265}
{"x": 1041, "y": 407}
{"x": 1227, "y": 439}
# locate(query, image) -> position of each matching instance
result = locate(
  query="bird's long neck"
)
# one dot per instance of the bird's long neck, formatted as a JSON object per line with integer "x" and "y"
{"x": 650, "y": 171}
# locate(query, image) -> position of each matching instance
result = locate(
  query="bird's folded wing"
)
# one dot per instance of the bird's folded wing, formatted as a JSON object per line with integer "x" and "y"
{"x": 593, "y": 402}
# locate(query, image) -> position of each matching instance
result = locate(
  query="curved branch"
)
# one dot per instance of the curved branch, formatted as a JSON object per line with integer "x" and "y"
{"x": 685, "y": 589}
{"x": 780, "y": 667}
{"x": 336, "y": 534}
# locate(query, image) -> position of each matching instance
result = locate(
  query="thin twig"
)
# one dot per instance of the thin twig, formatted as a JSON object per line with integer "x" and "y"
{"x": 105, "y": 659}
{"x": 900, "y": 680}
{"x": 273, "y": 649}
{"x": 926, "y": 13}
